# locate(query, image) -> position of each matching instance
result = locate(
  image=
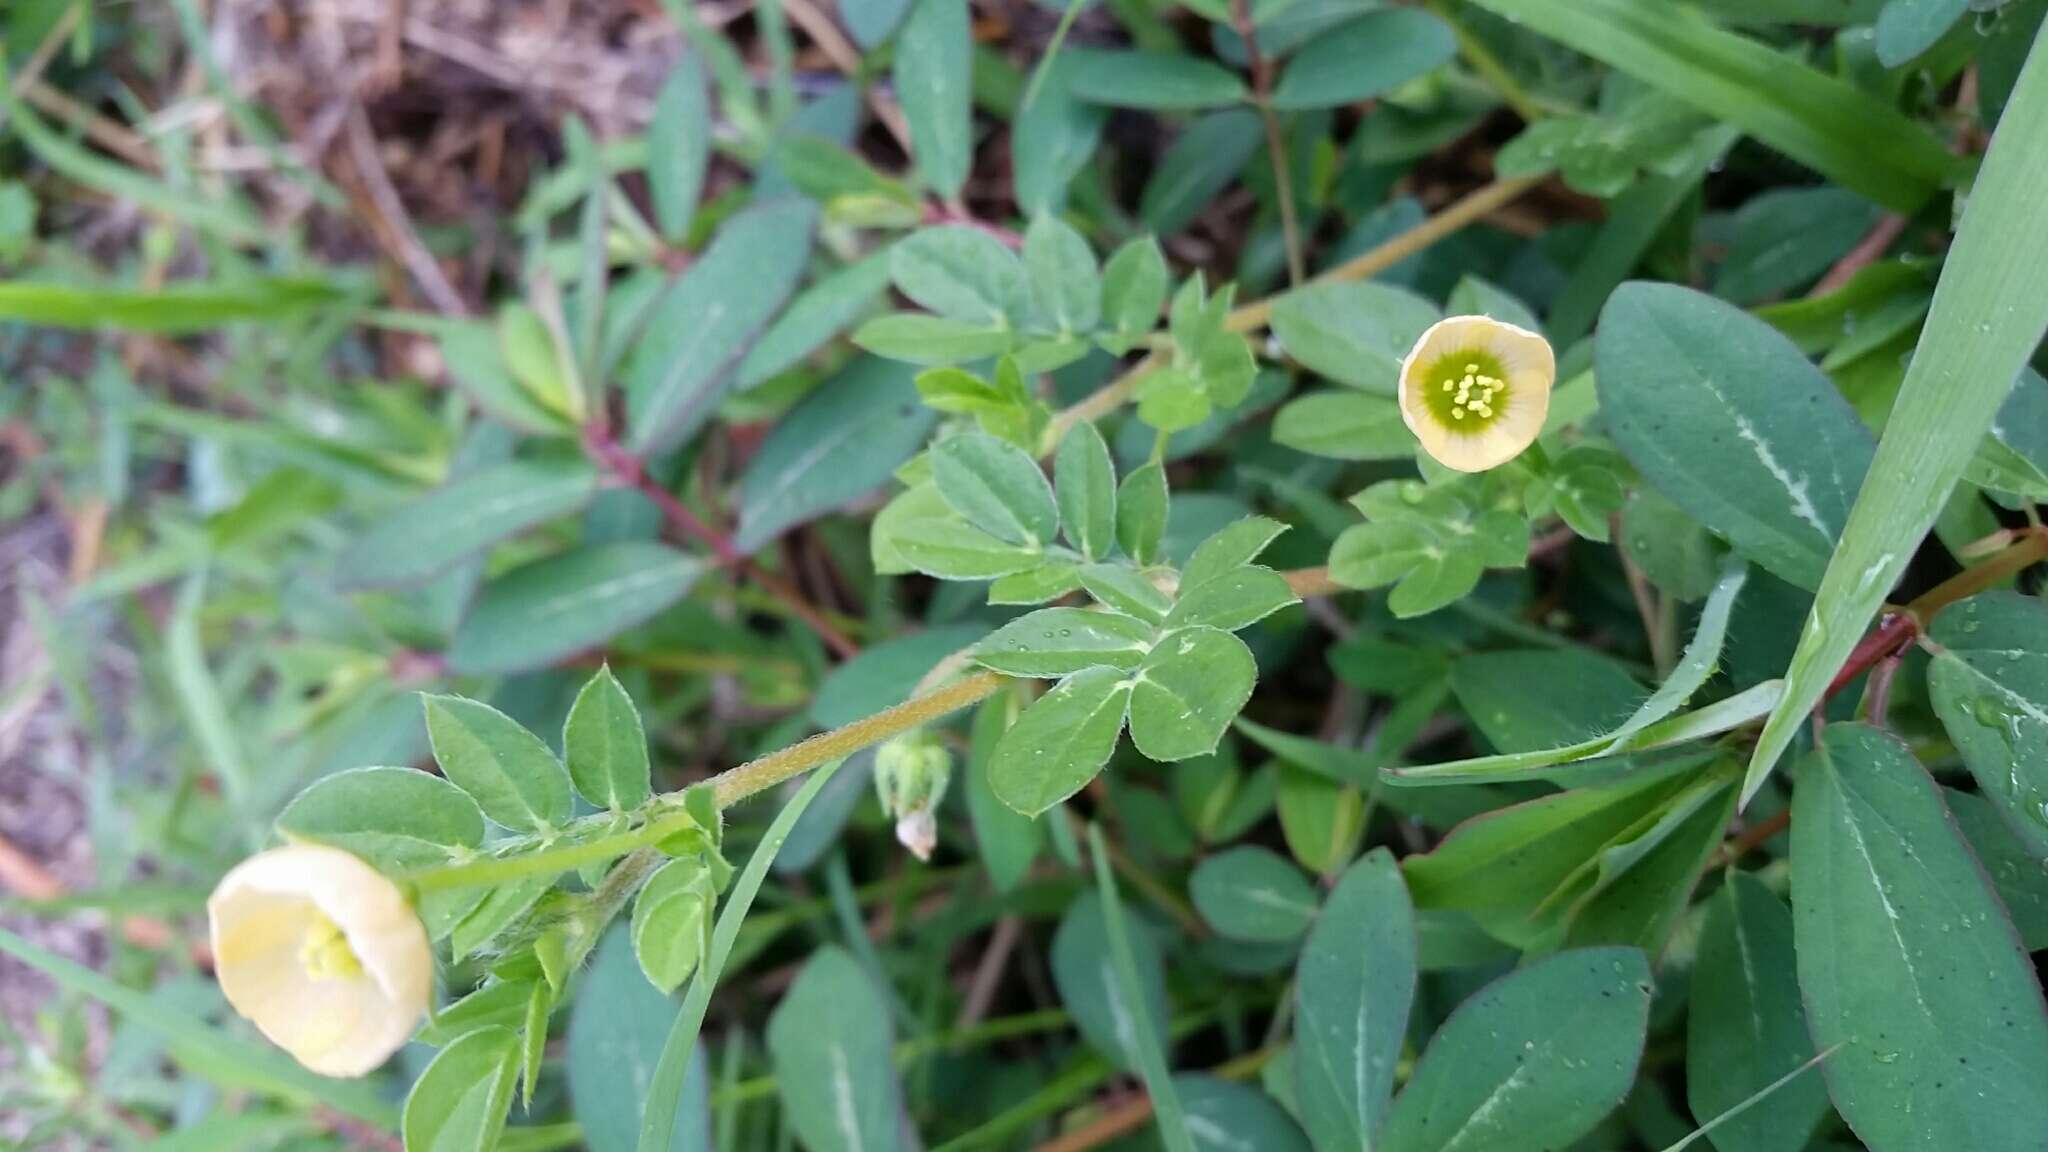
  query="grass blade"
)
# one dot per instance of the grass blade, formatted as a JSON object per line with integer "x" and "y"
{"x": 206, "y": 1049}
{"x": 1988, "y": 314}
{"x": 175, "y": 308}
{"x": 1845, "y": 134}
{"x": 1173, "y": 1125}
{"x": 665, "y": 1093}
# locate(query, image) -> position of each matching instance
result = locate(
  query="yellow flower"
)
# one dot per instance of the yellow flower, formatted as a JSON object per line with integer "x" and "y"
{"x": 323, "y": 954}
{"x": 1475, "y": 391}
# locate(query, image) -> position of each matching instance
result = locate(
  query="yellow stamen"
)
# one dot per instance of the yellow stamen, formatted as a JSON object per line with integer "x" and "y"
{"x": 325, "y": 954}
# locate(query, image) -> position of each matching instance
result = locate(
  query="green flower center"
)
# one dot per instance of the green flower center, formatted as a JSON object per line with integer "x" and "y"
{"x": 325, "y": 954}
{"x": 1466, "y": 392}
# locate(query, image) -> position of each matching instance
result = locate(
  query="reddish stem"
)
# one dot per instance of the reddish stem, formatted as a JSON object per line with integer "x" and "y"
{"x": 628, "y": 468}
{"x": 1893, "y": 634}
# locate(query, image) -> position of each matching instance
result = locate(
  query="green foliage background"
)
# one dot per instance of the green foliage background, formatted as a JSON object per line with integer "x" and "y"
{"x": 983, "y": 420}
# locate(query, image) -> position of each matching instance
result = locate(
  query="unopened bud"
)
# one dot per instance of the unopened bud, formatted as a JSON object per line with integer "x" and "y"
{"x": 911, "y": 773}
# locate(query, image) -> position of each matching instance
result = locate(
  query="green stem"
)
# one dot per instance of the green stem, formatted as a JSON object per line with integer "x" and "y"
{"x": 729, "y": 788}
{"x": 736, "y": 784}
{"x": 549, "y": 861}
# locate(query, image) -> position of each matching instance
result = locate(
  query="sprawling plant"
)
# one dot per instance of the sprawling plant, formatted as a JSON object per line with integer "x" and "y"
{"x": 1582, "y": 682}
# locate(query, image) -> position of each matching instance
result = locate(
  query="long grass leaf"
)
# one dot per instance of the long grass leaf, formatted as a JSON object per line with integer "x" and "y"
{"x": 665, "y": 1092}
{"x": 174, "y": 308}
{"x": 1173, "y": 1123}
{"x": 1840, "y": 131}
{"x": 1988, "y": 315}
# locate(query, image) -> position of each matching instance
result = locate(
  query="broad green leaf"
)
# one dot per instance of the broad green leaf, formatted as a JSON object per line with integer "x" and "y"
{"x": 886, "y": 674}
{"x": 838, "y": 444}
{"x": 477, "y": 365}
{"x": 1373, "y": 54}
{"x": 1127, "y": 590}
{"x": 1906, "y": 28}
{"x": 1961, "y": 373}
{"x": 500, "y": 1004}
{"x": 1848, "y": 135}
{"x": 532, "y": 358}
{"x": 553, "y": 608}
{"x": 501, "y": 907}
{"x": 1236, "y": 599}
{"x": 1352, "y": 995}
{"x": 1203, "y": 160}
{"x": 1534, "y": 1060}
{"x": 1058, "y": 641}
{"x": 1344, "y": 425}
{"x": 672, "y": 921}
{"x": 1049, "y": 581}
{"x": 683, "y": 363}
{"x": 171, "y": 309}
{"x": 2020, "y": 875}
{"x": 1051, "y": 140}
{"x": 871, "y": 21}
{"x": 961, "y": 273}
{"x": 665, "y": 1090}
{"x": 1134, "y": 284}
{"x": 616, "y": 1027}
{"x": 1188, "y": 691}
{"x": 1674, "y": 551}
{"x": 1084, "y": 483}
{"x": 605, "y": 746}
{"x": 1641, "y": 885}
{"x": 511, "y": 774}
{"x": 814, "y": 317}
{"x": 459, "y": 1103}
{"x": 1907, "y": 959}
{"x": 1085, "y": 974}
{"x": 1475, "y": 296}
{"x": 1989, "y": 684}
{"x": 1320, "y": 819}
{"x": 1784, "y": 239}
{"x": 933, "y": 74}
{"x": 1225, "y": 552}
{"x": 830, "y": 1039}
{"x": 396, "y": 818}
{"x": 1066, "y": 286}
{"x": 1223, "y": 1116}
{"x": 1729, "y": 420}
{"x": 678, "y": 147}
{"x": 1353, "y": 332}
{"x": 1251, "y": 893}
{"x": 915, "y": 338}
{"x": 1746, "y": 1027}
{"x": 1061, "y": 741}
{"x": 1533, "y": 699}
{"x": 921, "y": 534}
{"x": 997, "y": 487}
{"x": 467, "y": 515}
{"x": 1502, "y": 866}
{"x": 1009, "y": 842}
{"x": 1167, "y": 81}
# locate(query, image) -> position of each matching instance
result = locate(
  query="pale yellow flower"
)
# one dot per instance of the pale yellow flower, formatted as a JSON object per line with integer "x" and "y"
{"x": 1475, "y": 391}
{"x": 323, "y": 954}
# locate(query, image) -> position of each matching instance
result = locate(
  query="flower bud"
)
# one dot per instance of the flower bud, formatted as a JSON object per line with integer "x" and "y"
{"x": 911, "y": 773}
{"x": 323, "y": 954}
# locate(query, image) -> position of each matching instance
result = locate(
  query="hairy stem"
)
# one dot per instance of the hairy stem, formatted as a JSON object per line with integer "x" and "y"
{"x": 629, "y": 469}
{"x": 736, "y": 784}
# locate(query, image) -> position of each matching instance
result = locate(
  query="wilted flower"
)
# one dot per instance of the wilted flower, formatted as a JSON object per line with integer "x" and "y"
{"x": 323, "y": 954}
{"x": 911, "y": 773}
{"x": 1475, "y": 391}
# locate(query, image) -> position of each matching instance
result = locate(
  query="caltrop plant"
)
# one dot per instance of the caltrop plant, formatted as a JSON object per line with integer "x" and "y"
{"x": 1559, "y": 668}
